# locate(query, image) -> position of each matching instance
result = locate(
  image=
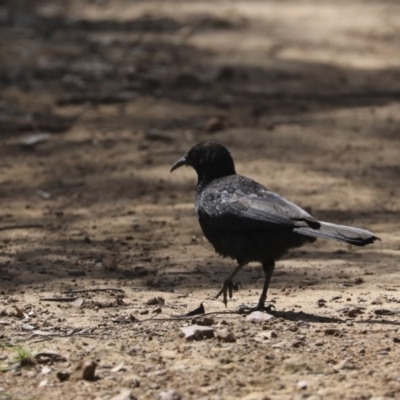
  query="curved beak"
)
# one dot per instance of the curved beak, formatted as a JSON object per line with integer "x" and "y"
{"x": 179, "y": 163}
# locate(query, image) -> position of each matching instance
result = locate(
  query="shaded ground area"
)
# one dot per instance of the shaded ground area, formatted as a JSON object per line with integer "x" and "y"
{"x": 306, "y": 96}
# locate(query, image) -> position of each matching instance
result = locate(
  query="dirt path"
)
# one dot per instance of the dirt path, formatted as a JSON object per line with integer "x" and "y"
{"x": 306, "y": 96}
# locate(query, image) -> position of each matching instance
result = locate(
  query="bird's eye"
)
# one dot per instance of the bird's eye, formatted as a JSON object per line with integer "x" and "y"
{"x": 193, "y": 154}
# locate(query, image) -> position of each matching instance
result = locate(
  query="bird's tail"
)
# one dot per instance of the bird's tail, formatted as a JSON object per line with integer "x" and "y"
{"x": 341, "y": 233}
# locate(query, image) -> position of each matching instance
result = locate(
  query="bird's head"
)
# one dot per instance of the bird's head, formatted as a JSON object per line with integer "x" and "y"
{"x": 210, "y": 160}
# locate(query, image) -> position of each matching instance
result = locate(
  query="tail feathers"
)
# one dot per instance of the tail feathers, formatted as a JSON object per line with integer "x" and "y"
{"x": 341, "y": 233}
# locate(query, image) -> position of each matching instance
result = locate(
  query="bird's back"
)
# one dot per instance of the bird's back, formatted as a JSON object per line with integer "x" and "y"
{"x": 244, "y": 220}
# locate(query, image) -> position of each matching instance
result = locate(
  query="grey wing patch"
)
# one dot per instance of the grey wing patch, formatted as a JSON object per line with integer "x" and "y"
{"x": 260, "y": 209}
{"x": 246, "y": 209}
{"x": 271, "y": 209}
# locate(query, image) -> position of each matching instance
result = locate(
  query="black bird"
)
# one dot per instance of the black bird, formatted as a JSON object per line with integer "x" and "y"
{"x": 245, "y": 221}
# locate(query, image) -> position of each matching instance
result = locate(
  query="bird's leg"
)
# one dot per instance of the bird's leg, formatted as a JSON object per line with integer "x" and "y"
{"x": 268, "y": 267}
{"x": 227, "y": 287}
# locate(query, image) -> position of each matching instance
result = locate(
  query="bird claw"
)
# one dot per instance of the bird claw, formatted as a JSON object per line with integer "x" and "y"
{"x": 227, "y": 289}
{"x": 269, "y": 308}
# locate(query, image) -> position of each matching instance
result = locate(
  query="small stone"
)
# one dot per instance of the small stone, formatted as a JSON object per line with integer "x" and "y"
{"x": 354, "y": 311}
{"x": 32, "y": 140}
{"x": 281, "y": 345}
{"x": 197, "y": 332}
{"x": 321, "y": 303}
{"x": 271, "y": 334}
{"x": 332, "y": 332}
{"x": 226, "y": 336}
{"x": 169, "y": 395}
{"x": 302, "y": 385}
{"x": 155, "y": 301}
{"x": 78, "y": 302}
{"x": 43, "y": 194}
{"x": 255, "y": 396}
{"x": 345, "y": 364}
{"x": 43, "y": 383}
{"x": 88, "y": 370}
{"x": 297, "y": 343}
{"x": 62, "y": 376}
{"x": 124, "y": 394}
{"x": 258, "y": 317}
{"x": 27, "y": 327}
{"x": 119, "y": 367}
{"x": 45, "y": 370}
{"x": 204, "y": 321}
{"x": 383, "y": 311}
{"x": 43, "y": 356}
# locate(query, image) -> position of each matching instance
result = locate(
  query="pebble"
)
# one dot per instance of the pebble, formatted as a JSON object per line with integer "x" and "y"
{"x": 255, "y": 396}
{"x": 204, "y": 321}
{"x": 124, "y": 394}
{"x": 332, "y": 332}
{"x": 302, "y": 385}
{"x": 155, "y": 301}
{"x": 169, "y": 395}
{"x": 354, "y": 311}
{"x": 45, "y": 370}
{"x": 88, "y": 370}
{"x": 43, "y": 383}
{"x": 27, "y": 327}
{"x": 271, "y": 334}
{"x": 258, "y": 317}
{"x": 383, "y": 311}
{"x": 321, "y": 303}
{"x": 226, "y": 336}
{"x": 197, "y": 332}
{"x": 62, "y": 376}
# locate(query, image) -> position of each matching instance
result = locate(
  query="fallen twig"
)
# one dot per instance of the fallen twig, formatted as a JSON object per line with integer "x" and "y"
{"x": 93, "y": 290}
{"x": 187, "y": 317}
{"x": 64, "y": 299}
{"x": 23, "y": 226}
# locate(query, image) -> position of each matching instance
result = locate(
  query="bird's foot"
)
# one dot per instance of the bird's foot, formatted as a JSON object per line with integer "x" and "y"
{"x": 227, "y": 289}
{"x": 267, "y": 308}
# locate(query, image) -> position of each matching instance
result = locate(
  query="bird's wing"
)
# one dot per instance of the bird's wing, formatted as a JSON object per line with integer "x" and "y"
{"x": 238, "y": 210}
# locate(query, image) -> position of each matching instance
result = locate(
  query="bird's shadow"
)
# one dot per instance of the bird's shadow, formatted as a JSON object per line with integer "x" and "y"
{"x": 312, "y": 318}
{"x": 306, "y": 317}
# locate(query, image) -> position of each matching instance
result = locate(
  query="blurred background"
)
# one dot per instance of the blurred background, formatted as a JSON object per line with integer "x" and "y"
{"x": 100, "y": 97}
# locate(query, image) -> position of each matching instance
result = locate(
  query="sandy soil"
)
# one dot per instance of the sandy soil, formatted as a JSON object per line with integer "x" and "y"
{"x": 306, "y": 96}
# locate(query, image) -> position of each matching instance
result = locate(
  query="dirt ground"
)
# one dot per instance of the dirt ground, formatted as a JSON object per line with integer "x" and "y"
{"x": 305, "y": 94}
